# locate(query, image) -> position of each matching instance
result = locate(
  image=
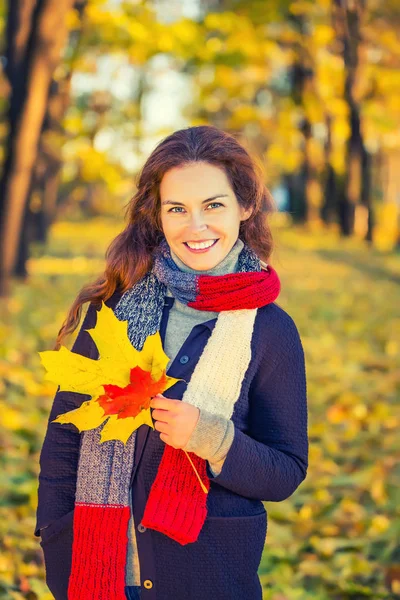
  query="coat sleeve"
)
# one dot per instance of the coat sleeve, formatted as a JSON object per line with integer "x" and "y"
{"x": 270, "y": 460}
{"x": 60, "y": 450}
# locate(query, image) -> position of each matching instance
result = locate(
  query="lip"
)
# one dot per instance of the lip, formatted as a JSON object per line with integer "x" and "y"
{"x": 201, "y": 250}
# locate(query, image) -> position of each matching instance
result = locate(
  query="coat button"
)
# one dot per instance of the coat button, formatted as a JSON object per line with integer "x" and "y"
{"x": 184, "y": 359}
{"x": 141, "y": 528}
{"x": 148, "y": 584}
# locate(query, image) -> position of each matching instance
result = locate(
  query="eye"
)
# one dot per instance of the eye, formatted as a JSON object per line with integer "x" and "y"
{"x": 211, "y": 203}
{"x": 218, "y": 203}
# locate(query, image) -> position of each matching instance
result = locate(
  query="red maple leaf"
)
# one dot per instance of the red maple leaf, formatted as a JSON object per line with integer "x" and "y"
{"x": 131, "y": 399}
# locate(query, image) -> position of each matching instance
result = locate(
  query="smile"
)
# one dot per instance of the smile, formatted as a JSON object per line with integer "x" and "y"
{"x": 201, "y": 247}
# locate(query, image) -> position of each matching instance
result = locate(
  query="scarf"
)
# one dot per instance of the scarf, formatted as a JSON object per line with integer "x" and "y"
{"x": 177, "y": 503}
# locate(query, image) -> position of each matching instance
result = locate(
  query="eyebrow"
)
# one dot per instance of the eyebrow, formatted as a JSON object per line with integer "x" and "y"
{"x": 204, "y": 201}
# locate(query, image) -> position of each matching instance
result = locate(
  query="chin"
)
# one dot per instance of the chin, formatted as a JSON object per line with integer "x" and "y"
{"x": 203, "y": 264}
{"x": 203, "y": 267}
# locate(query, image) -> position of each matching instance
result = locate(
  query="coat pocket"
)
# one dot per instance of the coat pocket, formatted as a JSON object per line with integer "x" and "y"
{"x": 243, "y": 540}
{"x": 232, "y": 548}
{"x": 56, "y": 543}
{"x": 240, "y": 542}
{"x": 225, "y": 559}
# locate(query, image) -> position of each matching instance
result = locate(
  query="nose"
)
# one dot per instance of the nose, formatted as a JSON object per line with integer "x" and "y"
{"x": 198, "y": 222}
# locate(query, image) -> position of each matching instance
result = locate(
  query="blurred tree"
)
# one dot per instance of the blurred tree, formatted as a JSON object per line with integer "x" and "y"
{"x": 105, "y": 129}
{"x": 40, "y": 209}
{"x": 348, "y": 19}
{"x": 36, "y": 33}
{"x": 315, "y": 87}
{"x": 311, "y": 87}
{"x": 305, "y": 196}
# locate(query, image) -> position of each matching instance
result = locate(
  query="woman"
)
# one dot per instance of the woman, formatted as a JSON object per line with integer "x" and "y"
{"x": 141, "y": 521}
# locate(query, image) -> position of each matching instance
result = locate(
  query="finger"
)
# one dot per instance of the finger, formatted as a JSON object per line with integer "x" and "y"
{"x": 165, "y": 403}
{"x": 160, "y": 426}
{"x": 161, "y": 414}
{"x": 164, "y": 437}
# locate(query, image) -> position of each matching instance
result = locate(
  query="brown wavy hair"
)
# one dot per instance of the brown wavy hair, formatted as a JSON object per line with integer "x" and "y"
{"x": 129, "y": 255}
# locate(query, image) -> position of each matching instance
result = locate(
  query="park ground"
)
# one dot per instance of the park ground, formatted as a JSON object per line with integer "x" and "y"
{"x": 335, "y": 537}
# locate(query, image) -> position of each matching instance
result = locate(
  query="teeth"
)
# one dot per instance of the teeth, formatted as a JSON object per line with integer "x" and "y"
{"x": 200, "y": 246}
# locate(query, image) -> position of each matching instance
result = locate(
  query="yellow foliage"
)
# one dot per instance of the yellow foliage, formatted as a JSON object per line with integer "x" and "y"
{"x": 118, "y": 357}
{"x": 323, "y": 34}
{"x": 379, "y": 524}
{"x": 11, "y": 419}
{"x": 388, "y": 225}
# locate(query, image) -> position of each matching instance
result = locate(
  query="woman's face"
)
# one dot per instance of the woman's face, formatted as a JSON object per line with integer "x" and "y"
{"x": 199, "y": 205}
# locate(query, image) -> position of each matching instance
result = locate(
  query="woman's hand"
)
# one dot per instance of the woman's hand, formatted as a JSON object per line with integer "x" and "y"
{"x": 175, "y": 420}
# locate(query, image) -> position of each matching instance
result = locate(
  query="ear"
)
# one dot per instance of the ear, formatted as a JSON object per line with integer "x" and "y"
{"x": 245, "y": 213}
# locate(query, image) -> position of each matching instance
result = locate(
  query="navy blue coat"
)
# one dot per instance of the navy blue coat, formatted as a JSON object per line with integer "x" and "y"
{"x": 267, "y": 461}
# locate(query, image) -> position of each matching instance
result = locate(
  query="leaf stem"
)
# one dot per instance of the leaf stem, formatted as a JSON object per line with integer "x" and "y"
{"x": 203, "y": 487}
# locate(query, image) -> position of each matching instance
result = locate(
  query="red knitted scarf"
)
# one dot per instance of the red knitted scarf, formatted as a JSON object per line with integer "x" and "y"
{"x": 177, "y": 503}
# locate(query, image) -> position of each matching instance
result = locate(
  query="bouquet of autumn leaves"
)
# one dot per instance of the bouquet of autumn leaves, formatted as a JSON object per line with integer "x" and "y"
{"x": 121, "y": 382}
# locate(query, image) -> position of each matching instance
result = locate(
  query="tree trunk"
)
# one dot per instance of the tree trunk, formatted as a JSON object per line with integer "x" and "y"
{"x": 49, "y": 164}
{"x": 355, "y": 211}
{"x": 42, "y": 48}
{"x": 302, "y": 83}
{"x": 329, "y": 210}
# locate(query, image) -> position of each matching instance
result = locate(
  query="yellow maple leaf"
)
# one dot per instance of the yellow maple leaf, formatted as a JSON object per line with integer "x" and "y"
{"x": 121, "y": 381}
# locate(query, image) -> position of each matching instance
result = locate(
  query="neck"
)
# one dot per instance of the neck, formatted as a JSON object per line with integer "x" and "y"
{"x": 229, "y": 264}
